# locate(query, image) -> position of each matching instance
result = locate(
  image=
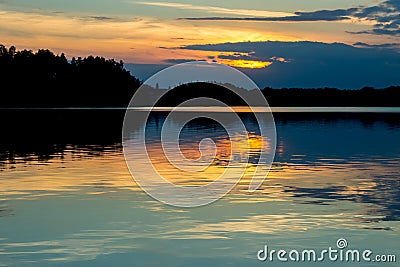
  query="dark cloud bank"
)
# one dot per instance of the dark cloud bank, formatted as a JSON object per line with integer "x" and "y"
{"x": 309, "y": 64}
{"x": 386, "y": 16}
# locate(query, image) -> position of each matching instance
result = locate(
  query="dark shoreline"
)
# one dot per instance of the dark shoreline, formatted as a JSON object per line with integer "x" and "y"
{"x": 43, "y": 79}
{"x": 274, "y": 110}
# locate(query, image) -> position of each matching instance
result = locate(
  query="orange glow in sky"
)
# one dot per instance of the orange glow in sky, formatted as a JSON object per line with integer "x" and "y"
{"x": 153, "y": 32}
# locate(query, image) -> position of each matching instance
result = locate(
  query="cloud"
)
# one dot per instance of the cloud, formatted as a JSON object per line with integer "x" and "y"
{"x": 315, "y": 64}
{"x": 217, "y": 10}
{"x": 178, "y": 61}
{"x": 321, "y": 15}
{"x": 391, "y": 45}
{"x": 250, "y": 56}
{"x": 279, "y": 59}
{"x": 102, "y": 18}
{"x": 243, "y": 56}
{"x": 240, "y": 61}
{"x": 287, "y": 19}
{"x": 378, "y": 31}
{"x": 385, "y": 17}
{"x": 327, "y": 15}
{"x": 187, "y": 39}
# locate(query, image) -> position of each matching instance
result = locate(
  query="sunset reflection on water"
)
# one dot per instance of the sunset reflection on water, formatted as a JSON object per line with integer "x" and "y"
{"x": 82, "y": 204}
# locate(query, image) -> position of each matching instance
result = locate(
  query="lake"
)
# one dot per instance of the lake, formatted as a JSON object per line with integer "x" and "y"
{"x": 68, "y": 199}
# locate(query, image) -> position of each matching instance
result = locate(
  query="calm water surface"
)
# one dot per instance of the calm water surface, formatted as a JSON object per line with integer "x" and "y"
{"x": 67, "y": 198}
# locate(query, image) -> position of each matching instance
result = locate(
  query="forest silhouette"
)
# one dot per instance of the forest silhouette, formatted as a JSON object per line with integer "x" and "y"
{"x": 46, "y": 80}
{"x": 43, "y": 79}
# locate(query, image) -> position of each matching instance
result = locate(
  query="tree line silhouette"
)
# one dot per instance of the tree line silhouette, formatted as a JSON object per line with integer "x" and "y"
{"x": 43, "y": 79}
{"x": 293, "y": 97}
{"x": 332, "y": 97}
{"x": 189, "y": 91}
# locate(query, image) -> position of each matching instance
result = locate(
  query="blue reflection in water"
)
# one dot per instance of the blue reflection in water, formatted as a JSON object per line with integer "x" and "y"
{"x": 67, "y": 198}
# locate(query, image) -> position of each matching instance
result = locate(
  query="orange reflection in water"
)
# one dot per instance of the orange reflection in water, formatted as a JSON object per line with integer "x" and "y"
{"x": 107, "y": 172}
{"x": 245, "y": 148}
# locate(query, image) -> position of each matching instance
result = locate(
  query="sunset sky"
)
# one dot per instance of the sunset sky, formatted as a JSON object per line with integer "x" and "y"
{"x": 151, "y": 34}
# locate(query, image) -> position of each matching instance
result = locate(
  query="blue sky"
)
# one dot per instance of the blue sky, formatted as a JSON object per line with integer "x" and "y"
{"x": 152, "y": 34}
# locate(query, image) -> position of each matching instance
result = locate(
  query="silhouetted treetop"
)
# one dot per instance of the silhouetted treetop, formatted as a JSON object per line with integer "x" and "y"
{"x": 43, "y": 79}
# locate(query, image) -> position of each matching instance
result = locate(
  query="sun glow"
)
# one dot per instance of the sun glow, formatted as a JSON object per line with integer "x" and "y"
{"x": 241, "y": 63}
